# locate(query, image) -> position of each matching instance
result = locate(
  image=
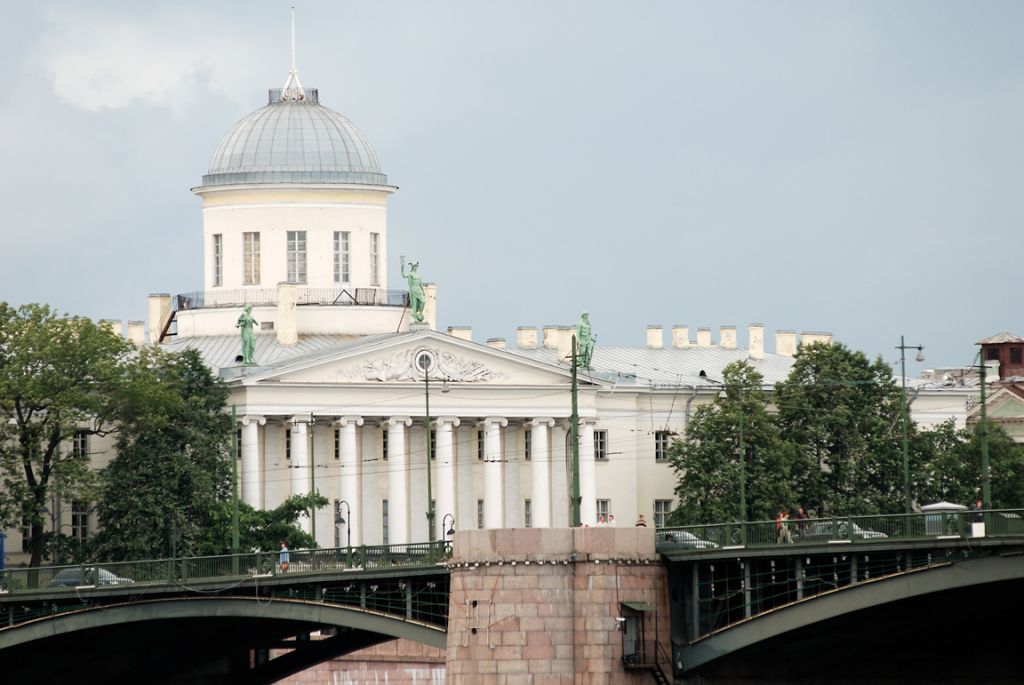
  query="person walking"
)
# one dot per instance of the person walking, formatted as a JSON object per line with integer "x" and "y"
{"x": 801, "y": 522}
{"x": 283, "y": 557}
{"x": 782, "y": 527}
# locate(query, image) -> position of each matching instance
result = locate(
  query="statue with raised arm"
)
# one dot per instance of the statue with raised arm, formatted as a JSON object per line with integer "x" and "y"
{"x": 417, "y": 299}
{"x": 584, "y": 341}
{"x": 245, "y": 323}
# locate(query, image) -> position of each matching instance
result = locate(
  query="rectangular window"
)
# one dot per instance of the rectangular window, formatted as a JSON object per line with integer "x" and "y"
{"x": 480, "y": 445}
{"x": 337, "y": 443}
{"x": 662, "y": 441}
{"x": 384, "y": 444}
{"x": 341, "y": 255}
{"x": 375, "y": 259}
{"x": 218, "y": 259}
{"x": 296, "y": 256}
{"x": 603, "y": 509}
{"x": 250, "y": 258}
{"x": 527, "y": 445}
{"x": 79, "y": 521}
{"x": 662, "y": 508}
{"x": 287, "y": 443}
{"x": 479, "y": 513}
{"x": 601, "y": 445}
{"x": 80, "y": 444}
{"x": 527, "y": 514}
{"x": 384, "y": 521}
{"x": 433, "y": 443}
{"x": 992, "y": 354}
{"x": 1015, "y": 355}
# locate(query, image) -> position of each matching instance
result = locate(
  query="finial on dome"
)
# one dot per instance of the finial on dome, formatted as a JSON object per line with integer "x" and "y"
{"x": 292, "y": 87}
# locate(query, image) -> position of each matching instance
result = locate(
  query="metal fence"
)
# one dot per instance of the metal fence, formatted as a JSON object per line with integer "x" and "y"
{"x": 257, "y": 297}
{"x": 224, "y": 568}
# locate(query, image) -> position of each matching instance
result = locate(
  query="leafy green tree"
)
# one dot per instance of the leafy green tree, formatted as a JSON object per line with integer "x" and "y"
{"x": 843, "y": 413}
{"x": 58, "y": 376}
{"x": 172, "y": 471}
{"x": 260, "y": 529}
{"x": 707, "y": 460}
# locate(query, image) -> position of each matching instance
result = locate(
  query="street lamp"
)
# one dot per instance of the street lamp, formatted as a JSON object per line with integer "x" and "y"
{"x": 346, "y": 519}
{"x": 426, "y": 362}
{"x": 906, "y": 417}
{"x": 449, "y": 530}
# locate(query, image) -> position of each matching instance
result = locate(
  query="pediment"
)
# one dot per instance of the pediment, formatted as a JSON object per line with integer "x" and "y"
{"x": 1002, "y": 404}
{"x": 394, "y": 361}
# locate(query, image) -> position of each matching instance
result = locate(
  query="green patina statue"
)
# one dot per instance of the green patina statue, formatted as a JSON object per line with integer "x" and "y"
{"x": 245, "y": 323}
{"x": 417, "y": 299}
{"x": 584, "y": 341}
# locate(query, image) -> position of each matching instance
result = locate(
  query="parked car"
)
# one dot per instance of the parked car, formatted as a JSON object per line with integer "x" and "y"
{"x": 829, "y": 530}
{"x": 685, "y": 539}
{"x": 87, "y": 575}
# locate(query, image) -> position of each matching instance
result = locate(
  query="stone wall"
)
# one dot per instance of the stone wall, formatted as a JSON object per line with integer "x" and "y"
{"x": 398, "y": 662}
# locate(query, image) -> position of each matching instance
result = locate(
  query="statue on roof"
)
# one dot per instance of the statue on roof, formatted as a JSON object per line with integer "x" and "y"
{"x": 584, "y": 341}
{"x": 417, "y": 298}
{"x": 245, "y": 324}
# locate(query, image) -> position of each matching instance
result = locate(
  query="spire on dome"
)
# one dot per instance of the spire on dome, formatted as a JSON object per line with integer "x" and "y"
{"x": 292, "y": 87}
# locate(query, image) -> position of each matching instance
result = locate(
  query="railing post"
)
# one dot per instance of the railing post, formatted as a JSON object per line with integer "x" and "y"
{"x": 747, "y": 610}
{"x": 362, "y": 594}
{"x": 408, "y": 599}
{"x": 799, "y": 578}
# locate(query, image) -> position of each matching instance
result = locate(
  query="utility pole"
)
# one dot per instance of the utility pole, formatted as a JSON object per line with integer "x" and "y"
{"x": 575, "y": 421}
{"x": 312, "y": 471}
{"x": 426, "y": 432}
{"x": 234, "y": 488}
{"x": 902, "y": 347}
{"x": 986, "y": 475}
{"x": 743, "y": 466}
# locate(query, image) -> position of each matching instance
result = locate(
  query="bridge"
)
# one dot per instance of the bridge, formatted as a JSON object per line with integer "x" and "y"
{"x": 744, "y": 600}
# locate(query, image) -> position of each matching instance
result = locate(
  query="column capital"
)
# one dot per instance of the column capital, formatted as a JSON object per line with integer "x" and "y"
{"x": 258, "y": 420}
{"x": 453, "y": 421}
{"x": 397, "y": 420}
{"x": 541, "y": 421}
{"x": 298, "y": 420}
{"x": 343, "y": 421}
{"x": 587, "y": 421}
{"x": 494, "y": 422}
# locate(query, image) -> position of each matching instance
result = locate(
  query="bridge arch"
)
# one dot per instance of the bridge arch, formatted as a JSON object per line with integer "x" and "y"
{"x": 211, "y": 634}
{"x": 764, "y": 628}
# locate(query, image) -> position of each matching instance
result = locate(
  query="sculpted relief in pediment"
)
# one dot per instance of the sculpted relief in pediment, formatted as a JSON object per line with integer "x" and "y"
{"x": 402, "y": 367}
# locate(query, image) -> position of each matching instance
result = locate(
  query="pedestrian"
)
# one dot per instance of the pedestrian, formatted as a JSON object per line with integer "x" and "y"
{"x": 801, "y": 522}
{"x": 976, "y": 515}
{"x": 602, "y": 522}
{"x": 782, "y": 527}
{"x": 640, "y": 523}
{"x": 611, "y": 520}
{"x": 283, "y": 557}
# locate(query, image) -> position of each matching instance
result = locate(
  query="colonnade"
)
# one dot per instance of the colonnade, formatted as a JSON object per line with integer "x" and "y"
{"x": 483, "y": 480}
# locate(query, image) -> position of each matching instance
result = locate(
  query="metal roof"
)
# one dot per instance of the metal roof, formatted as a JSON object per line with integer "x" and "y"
{"x": 1003, "y": 337}
{"x": 219, "y": 351}
{"x": 294, "y": 141}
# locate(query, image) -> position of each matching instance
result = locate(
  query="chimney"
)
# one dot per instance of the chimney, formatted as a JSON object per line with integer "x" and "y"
{"x": 112, "y": 325}
{"x": 137, "y": 333}
{"x": 526, "y": 337}
{"x": 680, "y": 336}
{"x": 655, "y": 338}
{"x": 809, "y": 337}
{"x": 565, "y": 334}
{"x": 430, "y": 305}
{"x": 286, "y": 326}
{"x": 785, "y": 343}
{"x": 703, "y": 337}
{"x": 550, "y": 337}
{"x": 755, "y": 341}
{"x": 727, "y": 337}
{"x": 496, "y": 343}
{"x": 461, "y": 332}
{"x": 159, "y": 312}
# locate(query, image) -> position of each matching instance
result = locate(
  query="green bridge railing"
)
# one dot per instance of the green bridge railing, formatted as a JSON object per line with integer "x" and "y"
{"x": 223, "y": 568}
{"x": 850, "y": 529}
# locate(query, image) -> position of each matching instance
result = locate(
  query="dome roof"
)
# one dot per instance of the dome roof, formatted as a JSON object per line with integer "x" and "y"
{"x": 294, "y": 141}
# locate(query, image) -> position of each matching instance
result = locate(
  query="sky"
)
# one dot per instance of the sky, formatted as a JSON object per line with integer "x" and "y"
{"x": 850, "y": 167}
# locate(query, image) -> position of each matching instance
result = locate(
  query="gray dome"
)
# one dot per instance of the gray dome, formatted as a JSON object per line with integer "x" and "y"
{"x": 294, "y": 141}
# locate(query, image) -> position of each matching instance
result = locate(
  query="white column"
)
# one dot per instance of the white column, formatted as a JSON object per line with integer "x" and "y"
{"x": 445, "y": 470}
{"x": 494, "y": 487}
{"x": 398, "y": 480}
{"x": 251, "y": 485}
{"x": 300, "y": 462}
{"x": 588, "y": 477}
{"x": 349, "y": 479}
{"x": 540, "y": 471}
{"x": 559, "y": 476}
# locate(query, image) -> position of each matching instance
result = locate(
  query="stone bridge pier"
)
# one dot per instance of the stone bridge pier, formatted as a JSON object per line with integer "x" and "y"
{"x": 556, "y": 606}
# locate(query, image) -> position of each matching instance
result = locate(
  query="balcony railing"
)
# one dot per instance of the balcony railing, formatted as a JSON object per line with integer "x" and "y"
{"x": 267, "y": 297}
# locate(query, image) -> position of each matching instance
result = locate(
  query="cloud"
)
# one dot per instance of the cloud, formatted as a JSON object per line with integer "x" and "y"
{"x": 160, "y": 60}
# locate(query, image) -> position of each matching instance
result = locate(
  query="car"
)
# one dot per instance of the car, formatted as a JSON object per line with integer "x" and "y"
{"x": 832, "y": 530}
{"x": 684, "y": 538}
{"x": 87, "y": 575}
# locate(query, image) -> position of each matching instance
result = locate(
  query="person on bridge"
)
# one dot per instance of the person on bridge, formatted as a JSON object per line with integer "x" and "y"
{"x": 801, "y": 522}
{"x": 976, "y": 515}
{"x": 782, "y": 527}
{"x": 283, "y": 559}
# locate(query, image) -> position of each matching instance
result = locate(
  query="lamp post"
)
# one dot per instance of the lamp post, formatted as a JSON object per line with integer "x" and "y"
{"x": 986, "y": 475}
{"x": 902, "y": 347}
{"x": 425, "y": 361}
{"x": 448, "y": 530}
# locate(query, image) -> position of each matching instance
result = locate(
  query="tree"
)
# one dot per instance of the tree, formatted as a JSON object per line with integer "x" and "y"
{"x": 172, "y": 472}
{"x": 707, "y": 459}
{"x": 260, "y": 529}
{"x": 843, "y": 412}
{"x": 58, "y": 376}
